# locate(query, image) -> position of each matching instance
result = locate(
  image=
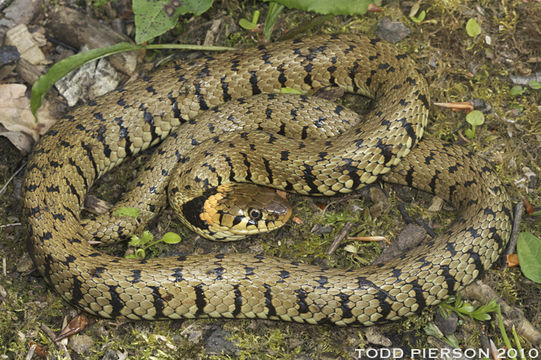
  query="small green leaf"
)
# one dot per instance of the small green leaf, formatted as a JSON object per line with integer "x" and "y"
{"x": 467, "y": 308}
{"x": 130, "y": 256}
{"x": 249, "y": 25}
{"x": 482, "y": 316}
{"x": 470, "y": 134}
{"x": 472, "y": 28}
{"x": 517, "y": 106}
{"x": 171, "y": 238}
{"x": 325, "y": 7}
{"x": 534, "y": 84}
{"x": 127, "y": 211}
{"x": 529, "y": 255}
{"x": 516, "y": 90}
{"x": 419, "y": 18}
{"x": 475, "y": 118}
{"x": 153, "y": 18}
{"x": 135, "y": 241}
{"x": 147, "y": 237}
{"x": 245, "y": 24}
{"x": 288, "y": 90}
{"x": 536, "y": 213}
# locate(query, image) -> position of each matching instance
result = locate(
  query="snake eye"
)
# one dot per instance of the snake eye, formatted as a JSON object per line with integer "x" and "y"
{"x": 255, "y": 214}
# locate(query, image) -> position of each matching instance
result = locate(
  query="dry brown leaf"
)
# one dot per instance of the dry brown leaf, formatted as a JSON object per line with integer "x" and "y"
{"x": 16, "y": 120}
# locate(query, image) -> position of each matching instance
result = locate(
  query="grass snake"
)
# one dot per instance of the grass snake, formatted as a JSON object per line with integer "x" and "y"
{"x": 93, "y": 138}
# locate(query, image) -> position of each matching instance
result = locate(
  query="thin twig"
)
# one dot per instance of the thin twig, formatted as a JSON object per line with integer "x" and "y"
{"x": 3, "y": 189}
{"x": 10, "y": 225}
{"x": 519, "y": 210}
{"x": 341, "y": 236}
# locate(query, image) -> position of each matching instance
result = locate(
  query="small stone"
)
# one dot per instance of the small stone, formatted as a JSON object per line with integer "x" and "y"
{"x": 446, "y": 325}
{"x": 81, "y": 343}
{"x": 391, "y": 31}
{"x": 8, "y": 54}
{"x": 217, "y": 344}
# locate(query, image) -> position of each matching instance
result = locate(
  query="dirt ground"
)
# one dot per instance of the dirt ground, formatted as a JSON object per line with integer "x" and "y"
{"x": 458, "y": 68}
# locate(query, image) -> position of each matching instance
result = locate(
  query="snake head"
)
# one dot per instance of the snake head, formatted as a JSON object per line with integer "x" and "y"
{"x": 235, "y": 210}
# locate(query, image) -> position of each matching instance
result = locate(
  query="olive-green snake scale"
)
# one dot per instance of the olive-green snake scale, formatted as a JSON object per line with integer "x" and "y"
{"x": 95, "y": 137}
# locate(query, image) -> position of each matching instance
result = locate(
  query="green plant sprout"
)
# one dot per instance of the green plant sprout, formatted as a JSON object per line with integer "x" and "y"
{"x": 250, "y": 25}
{"x": 465, "y": 309}
{"x": 473, "y": 29}
{"x": 145, "y": 241}
{"x": 474, "y": 118}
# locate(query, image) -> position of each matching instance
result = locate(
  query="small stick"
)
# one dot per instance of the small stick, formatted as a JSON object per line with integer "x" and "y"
{"x": 341, "y": 236}
{"x": 519, "y": 210}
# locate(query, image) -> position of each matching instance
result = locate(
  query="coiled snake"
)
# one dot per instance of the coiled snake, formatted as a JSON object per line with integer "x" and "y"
{"x": 93, "y": 138}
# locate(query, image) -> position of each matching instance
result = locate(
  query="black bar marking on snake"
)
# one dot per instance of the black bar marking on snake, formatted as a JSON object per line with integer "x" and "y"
{"x": 136, "y": 276}
{"x": 123, "y": 133}
{"x": 452, "y": 190}
{"x": 282, "y": 130}
{"x": 423, "y": 98}
{"x": 344, "y": 305}
{"x": 322, "y": 280}
{"x": 386, "y": 151}
{"x": 268, "y": 113}
{"x": 284, "y": 274}
{"x": 301, "y": 301}
{"x": 452, "y": 169}
{"x": 419, "y": 298}
{"x": 96, "y": 273}
{"x": 237, "y": 301}
{"x": 68, "y": 260}
{"x": 76, "y": 293}
{"x": 74, "y": 240}
{"x": 88, "y": 150}
{"x": 149, "y": 119}
{"x": 116, "y": 302}
{"x": 308, "y": 78}
{"x": 80, "y": 173}
{"x": 52, "y": 188}
{"x": 265, "y": 57}
{"x": 248, "y": 271}
{"x": 200, "y": 300}
{"x": 282, "y": 79}
{"x": 352, "y": 73}
{"x": 200, "y": 98}
{"x": 219, "y": 271}
{"x": 225, "y": 89}
{"x": 230, "y": 166}
{"x": 101, "y": 138}
{"x": 253, "y": 82}
{"x": 270, "y": 178}
{"x": 59, "y": 217}
{"x": 47, "y": 261}
{"x": 429, "y": 158}
{"x": 309, "y": 177}
{"x": 332, "y": 80}
{"x": 268, "y": 300}
{"x": 432, "y": 183}
{"x": 158, "y": 302}
{"x": 174, "y": 107}
{"x": 247, "y": 164}
{"x": 304, "y": 133}
{"x": 151, "y": 90}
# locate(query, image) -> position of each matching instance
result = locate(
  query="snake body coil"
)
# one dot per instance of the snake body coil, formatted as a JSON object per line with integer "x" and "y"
{"x": 93, "y": 138}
